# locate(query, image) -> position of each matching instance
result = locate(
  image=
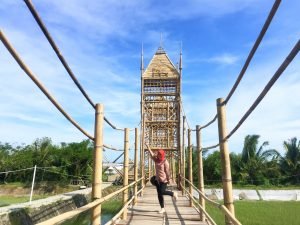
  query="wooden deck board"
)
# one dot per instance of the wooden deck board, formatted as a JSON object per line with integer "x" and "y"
{"x": 146, "y": 211}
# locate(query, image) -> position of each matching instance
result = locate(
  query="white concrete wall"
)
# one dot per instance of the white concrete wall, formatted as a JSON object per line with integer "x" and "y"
{"x": 245, "y": 194}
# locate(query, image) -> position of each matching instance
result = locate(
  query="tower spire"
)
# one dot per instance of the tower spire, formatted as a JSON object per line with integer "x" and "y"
{"x": 160, "y": 49}
{"x": 142, "y": 59}
{"x": 180, "y": 58}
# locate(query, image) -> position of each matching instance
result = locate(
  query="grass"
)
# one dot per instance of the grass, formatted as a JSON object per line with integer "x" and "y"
{"x": 262, "y": 212}
{"x": 108, "y": 210}
{"x": 9, "y": 200}
{"x": 13, "y": 193}
{"x": 111, "y": 207}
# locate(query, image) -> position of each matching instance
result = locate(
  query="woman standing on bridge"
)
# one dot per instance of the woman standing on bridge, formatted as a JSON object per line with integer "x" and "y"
{"x": 162, "y": 177}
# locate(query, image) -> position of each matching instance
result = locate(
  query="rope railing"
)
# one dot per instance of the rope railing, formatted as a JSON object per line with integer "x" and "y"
{"x": 250, "y": 55}
{"x": 15, "y": 55}
{"x": 266, "y": 89}
{"x": 182, "y": 110}
{"x": 111, "y": 125}
{"x": 56, "y": 50}
{"x": 112, "y": 148}
{"x": 277, "y": 74}
{"x": 223, "y": 208}
{"x": 91, "y": 205}
{"x": 62, "y": 59}
{"x": 254, "y": 48}
{"x": 211, "y": 147}
{"x": 210, "y": 122}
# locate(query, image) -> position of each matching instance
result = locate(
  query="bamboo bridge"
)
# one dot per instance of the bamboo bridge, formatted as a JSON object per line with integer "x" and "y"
{"x": 163, "y": 126}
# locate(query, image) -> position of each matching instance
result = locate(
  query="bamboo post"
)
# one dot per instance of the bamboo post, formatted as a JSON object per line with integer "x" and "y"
{"x": 153, "y": 167}
{"x": 225, "y": 159}
{"x": 190, "y": 148}
{"x": 135, "y": 165}
{"x": 200, "y": 172}
{"x": 183, "y": 156}
{"x": 125, "y": 170}
{"x": 179, "y": 153}
{"x": 173, "y": 167}
{"x": 149, "y": 166}
{"x": 142, "y": 153}
{"x": 97, "y": 169}
{"x": 142, "y": 162}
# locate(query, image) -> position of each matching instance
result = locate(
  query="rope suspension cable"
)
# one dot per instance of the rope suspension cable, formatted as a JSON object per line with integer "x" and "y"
{"x": 55, "y": 48}
{"x": 254, "y": 48}
{"x": 38, "y": 83}
{"x": 182, "y": 110}
{"x": 211, "y": 147}
{"x": 112, "y": 148}
{"x": 277, "y": 74}
{"x": 112, "y": 126}
{"x": 61, "y": 57}
{"x": 210, "y": 122}
{"x": 250, "y": 56}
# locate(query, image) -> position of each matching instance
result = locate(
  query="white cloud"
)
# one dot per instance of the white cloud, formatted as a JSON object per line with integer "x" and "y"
{"x": 276, "y": 118}
{"x": 101, "y": 42}
{"x": 224, "y": 59}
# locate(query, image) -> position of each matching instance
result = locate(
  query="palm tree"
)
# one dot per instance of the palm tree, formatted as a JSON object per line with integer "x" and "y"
{"x": 290, "y": 163}
{"x": 250, "y": 150}
{"x": 254, "y": 167}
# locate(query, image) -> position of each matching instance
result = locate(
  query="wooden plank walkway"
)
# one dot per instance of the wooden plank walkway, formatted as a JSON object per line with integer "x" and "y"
{"x": 146, "y": 211}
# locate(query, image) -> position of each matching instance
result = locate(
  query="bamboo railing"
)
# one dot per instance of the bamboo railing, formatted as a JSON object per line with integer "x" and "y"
{"x": 91, "y": 205}
{"x": 217, "y": 205}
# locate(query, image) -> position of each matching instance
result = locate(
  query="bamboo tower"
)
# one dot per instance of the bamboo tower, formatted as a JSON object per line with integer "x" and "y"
{"x": 160, "y": 105}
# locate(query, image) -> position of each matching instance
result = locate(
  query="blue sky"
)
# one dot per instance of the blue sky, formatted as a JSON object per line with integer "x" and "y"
{"x": 101, "y": 41}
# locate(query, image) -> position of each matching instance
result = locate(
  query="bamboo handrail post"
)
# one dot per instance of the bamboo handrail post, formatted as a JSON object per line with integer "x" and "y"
{"x": 212, "y": 222}
{"x": 149, "y": 166}
{"x": 125, "y": 170}
{"x": 142, "y": 153}
{"x": 173, "y": 167}
{"x": 178, "y": 180}
{"x": 225, "y": 159}
{"x": 97, "y": 172}
{"x": 152, "y": 168}
{"x": 217, "y": 205}
{"x": 183, "y": 156}
{"x": 135, "y": 165}
{"x": 190, "y": 148}
{"x": 200, "y": 171}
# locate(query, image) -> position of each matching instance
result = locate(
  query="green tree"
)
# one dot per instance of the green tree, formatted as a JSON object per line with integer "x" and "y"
{"x": 290, "y": 162}
{"x": 212, "y": 168}
{"x": 41, "y": 149}
{"x": 253, "y": 168}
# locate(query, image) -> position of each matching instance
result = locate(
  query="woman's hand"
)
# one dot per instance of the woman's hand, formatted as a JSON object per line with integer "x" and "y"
{"x": 149, "y": 149}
